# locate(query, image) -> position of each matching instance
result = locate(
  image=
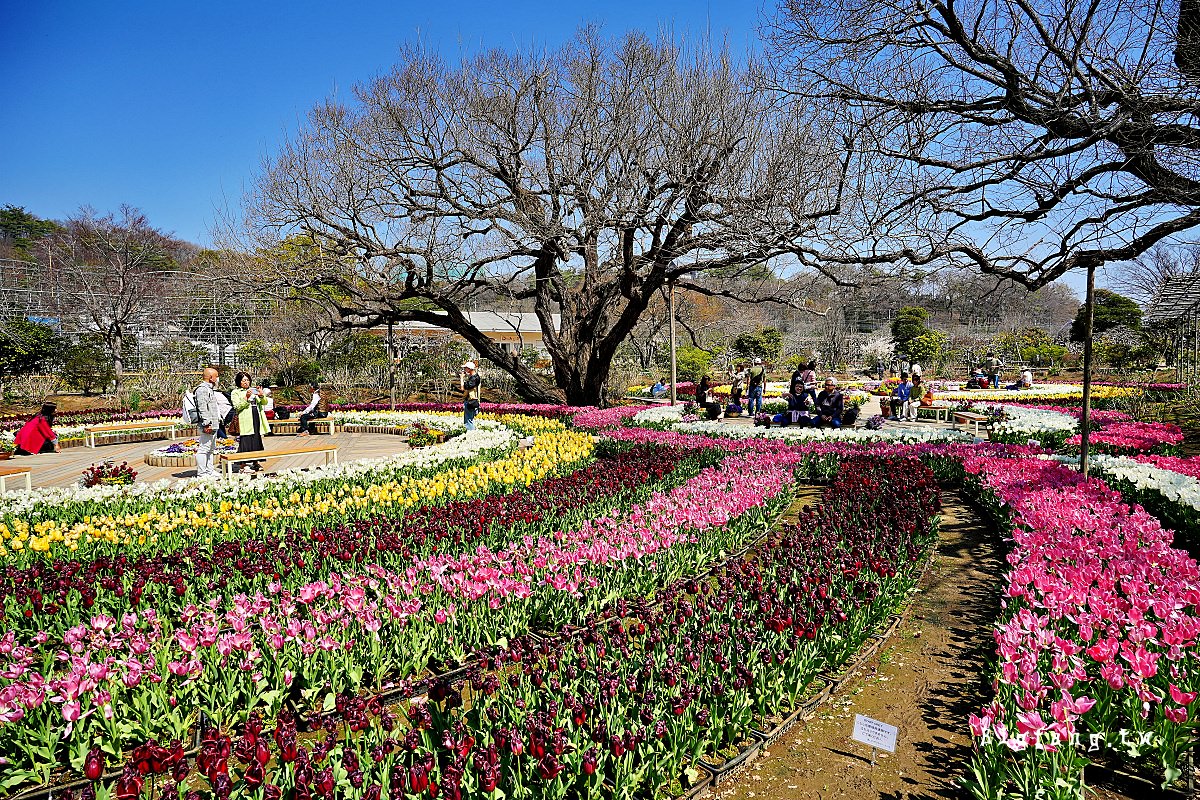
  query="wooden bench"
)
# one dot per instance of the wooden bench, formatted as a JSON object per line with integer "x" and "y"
{"x": 970, "y": 416}
{"x": 289, "y": 426}
{"x": 330, "y": 451}
{"x": 15, "y": 472}
{"x": 940, "y": 413}
{"x": 129, "y": 427}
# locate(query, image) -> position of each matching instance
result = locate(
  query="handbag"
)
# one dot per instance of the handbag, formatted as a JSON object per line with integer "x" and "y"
{"x": 233, "y": 427}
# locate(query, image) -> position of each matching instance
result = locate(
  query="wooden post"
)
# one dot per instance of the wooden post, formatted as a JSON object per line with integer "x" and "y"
{"x": 1089, "y": 314}
{"x": 671, "y": 310}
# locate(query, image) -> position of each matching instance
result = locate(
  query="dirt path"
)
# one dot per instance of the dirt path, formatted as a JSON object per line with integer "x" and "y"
{"x": 925, "y": 681}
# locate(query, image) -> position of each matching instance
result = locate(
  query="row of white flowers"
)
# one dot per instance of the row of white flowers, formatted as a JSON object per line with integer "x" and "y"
{"x": 489, "y": 436}
{"x": 1034, "y": 422}
{"x": 898, "y": 434}
{"x": 1181, "y": 489}
{"x": 448, "y": 422}
{"x": 658, "y": 414}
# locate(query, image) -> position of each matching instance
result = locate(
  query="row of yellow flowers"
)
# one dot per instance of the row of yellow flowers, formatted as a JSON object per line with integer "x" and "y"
{"x": 550, "y": 452}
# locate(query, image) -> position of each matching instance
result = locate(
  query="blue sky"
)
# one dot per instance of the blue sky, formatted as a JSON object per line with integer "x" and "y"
{"x": 171, "y": 106}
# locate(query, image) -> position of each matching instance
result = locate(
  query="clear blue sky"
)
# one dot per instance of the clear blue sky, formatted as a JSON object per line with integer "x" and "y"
{"x": 170, "y": 106}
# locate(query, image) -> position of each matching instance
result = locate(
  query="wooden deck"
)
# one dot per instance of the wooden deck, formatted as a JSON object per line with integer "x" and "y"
{"x": 62, "y": 469}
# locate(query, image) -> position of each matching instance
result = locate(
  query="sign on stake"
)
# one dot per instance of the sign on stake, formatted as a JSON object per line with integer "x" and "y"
{"x": 874, "y": 734}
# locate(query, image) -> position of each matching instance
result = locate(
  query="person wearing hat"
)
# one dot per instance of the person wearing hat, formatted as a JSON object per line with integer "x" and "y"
{"x": 468, "y": 380}
{"x": 756, "y": 379}
{"x": 37, "y": 435}
{"x": 317, "y": 409}
{"x": 830, "y": 405}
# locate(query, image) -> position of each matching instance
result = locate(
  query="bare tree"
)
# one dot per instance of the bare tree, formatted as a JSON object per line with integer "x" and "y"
{"x": 1144, "y": 276}
{"x": 1026, "y": 138}
{"x": 111, "y": 275}
{"x": 1036, "y": 136}
{"x": 582, "y": 179}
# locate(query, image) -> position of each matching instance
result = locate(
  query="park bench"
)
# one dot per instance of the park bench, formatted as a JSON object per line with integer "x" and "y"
{"x": 289, "y": 426}
{"x": 330, "y": 451}
{"x": 129, "y": 427}
{"x": 941, "y": 413}
{"x": 970, "y": 417}
{"x": 15, "y": 472}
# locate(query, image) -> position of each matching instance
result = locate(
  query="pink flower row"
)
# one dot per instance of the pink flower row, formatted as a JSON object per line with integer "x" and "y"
{"x": 1140, "y": 436}
{"x": 1097, "y": 605}
{"x": 279, "y": 632}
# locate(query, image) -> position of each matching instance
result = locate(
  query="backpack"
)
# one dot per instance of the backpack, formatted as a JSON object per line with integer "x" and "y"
{"x": 191, "y": 412}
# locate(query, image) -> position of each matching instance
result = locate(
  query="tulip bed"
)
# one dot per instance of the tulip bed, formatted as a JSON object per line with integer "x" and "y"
{"x": 657, "y": 664}
{"x": 167, "y": 514}
{"x": 569, "y": 620}
{"x": 1097, "y": 640}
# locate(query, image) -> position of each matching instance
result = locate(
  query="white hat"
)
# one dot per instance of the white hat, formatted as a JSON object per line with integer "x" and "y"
{"x": 469, "y": 365}
{"x": 757, "y": 361}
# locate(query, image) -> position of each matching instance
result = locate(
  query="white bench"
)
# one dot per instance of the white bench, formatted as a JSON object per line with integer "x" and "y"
{"x": 15, "y": 472}
{"x": 940, "y": 413}
{"x": 129, "y": 427}
{"x": 970, "y": 417}
{"x": 330, "y": 451}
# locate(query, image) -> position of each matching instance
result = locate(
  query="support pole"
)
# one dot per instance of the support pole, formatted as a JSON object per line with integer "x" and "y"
{"x": 1085, "y": 418}
{"x": 671, "y": 310}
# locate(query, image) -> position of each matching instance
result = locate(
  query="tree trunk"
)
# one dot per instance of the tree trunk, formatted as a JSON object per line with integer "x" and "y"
{"x": 1085, "y": 417}
{"x": 115, "y": 342}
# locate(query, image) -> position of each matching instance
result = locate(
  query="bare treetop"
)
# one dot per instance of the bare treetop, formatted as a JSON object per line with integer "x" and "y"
{"x": 582, "y": 179}
{"x": 1035, "y": 136}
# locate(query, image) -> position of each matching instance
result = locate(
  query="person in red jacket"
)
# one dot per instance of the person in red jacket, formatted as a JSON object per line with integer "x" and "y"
{"x": 37, "y": 435}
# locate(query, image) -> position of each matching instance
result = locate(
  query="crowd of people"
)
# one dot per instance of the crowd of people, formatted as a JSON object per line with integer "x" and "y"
{"x": 246, "y": 410}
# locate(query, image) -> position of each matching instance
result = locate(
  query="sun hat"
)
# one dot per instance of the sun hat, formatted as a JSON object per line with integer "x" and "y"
{"x": 757, "y": 361}
{"x": 469, "y": 365}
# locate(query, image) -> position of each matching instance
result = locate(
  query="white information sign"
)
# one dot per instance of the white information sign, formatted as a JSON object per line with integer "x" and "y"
{"x": 874, "y": 733}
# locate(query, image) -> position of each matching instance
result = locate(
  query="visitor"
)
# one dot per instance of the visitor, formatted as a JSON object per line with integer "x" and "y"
{"x": 903, "y": 365}
{"x": 704, "y": 398}
{"x": 468, "y": 381}
{"x": 809, "y": 377}
{"x": 737, "y": 382}
{"x": 37, "y": 435}
{"x": 225, "y": 412}
{"x": 248, "y": 403}
{"x": 659, "y": 388}
{"x": 210, "y": 420}
{"x": 829, "y": 405}
{"x": 756, "y": 378}
{"x": 915, "y": 370}
{"x": 799, "y": 404}
{"x": 317, "y": 408}
{"x": 268, "y": 408}
{"x": 991, "y": 367}
{"x": 902, "y": 398}
{"x": 926, "y": 396}
{"x": 1024, "y": 382}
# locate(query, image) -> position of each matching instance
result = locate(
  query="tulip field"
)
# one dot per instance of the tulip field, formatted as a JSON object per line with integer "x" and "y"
{"x": 582, "y": 603}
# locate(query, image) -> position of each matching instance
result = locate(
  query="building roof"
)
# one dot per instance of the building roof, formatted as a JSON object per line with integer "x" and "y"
{"x": 519, "y": 322}
{"x": 1178, "y": 298}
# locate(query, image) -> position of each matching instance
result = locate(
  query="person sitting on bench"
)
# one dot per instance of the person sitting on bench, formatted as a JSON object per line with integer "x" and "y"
{"x": 317, "y": 409}
{"x": 829, "y": 406}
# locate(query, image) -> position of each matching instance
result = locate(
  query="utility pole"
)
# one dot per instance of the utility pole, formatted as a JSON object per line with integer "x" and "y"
{"x": 671, "y": 311}
{"x": 1085, "y": 417}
